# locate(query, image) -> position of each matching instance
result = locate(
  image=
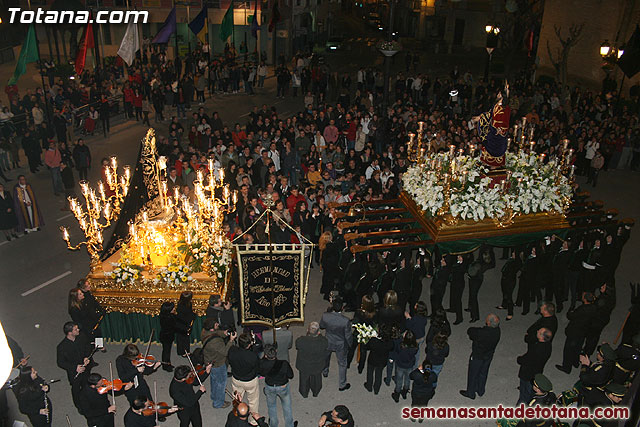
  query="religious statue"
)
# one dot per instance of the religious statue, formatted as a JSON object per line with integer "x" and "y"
{"x": 493, "y": 129}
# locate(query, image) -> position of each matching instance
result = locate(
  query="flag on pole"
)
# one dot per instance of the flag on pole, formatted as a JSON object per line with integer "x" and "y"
{"x": 28, "y": 53}
{"x": 275, "y": 16}
{"x": 255, "y": 26}
{"x": 198, "y": 25}
{"x": 168, "y": 28}
{"x": 130, "y": 44}
{"x": 226, "y": 28}
{"x": 86, "y": 42}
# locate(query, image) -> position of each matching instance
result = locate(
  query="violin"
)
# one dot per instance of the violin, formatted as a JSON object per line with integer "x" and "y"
{"x": 106, "y": 386}
{"x": 144, "y": 360}
{"x": 160, "y": 408}
{"x": 199, "y": 371}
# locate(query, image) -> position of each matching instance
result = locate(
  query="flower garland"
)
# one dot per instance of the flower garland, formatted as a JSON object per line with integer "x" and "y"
{"x": 125, "y": 271}
{"x": 532, "y": 187}
{"x": 194, "y": 250}
{"x": 364, "y": 332}
{"x": 219, "y": 258}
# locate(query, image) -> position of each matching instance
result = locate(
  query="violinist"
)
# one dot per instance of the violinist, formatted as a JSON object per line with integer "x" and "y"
{"x": 167, "y": 332}
{"x": 184, "y": 322}
{"x": 137, "y": 415}
{"x": 240, "y": 417}
{"x": 185, "y": 397}
{"x": 95, "y": 406}
{"x": 128, "y": 372}
{"x": 339, "y": 416}
{"x": 31, "y": 394}
{"x": 73, "y": 355}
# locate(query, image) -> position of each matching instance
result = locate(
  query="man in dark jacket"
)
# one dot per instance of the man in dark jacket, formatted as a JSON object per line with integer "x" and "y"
{"x": 458, "y": 270}
{"x": 439, "y": 283}
{"x": 484, "y": 343}
{"x": 215, "y": 347}
{"x": 532, "y": 363}
{"x": 222, "y": 312}
{"x": 240, "y": 417}
{"x": 546, "y": 320}
{"x": 244, "y": 369}
{"x": 605, "y": 303}
{"x": 310, "y": 360}
{"x": 340, "y": 338}
{"x": 576, "y": 331}
{"x": 183, "y": 396}
{"x": 277, "y": 374}
{"x": 96, "y": 407}
{"x": 510, "y": 271}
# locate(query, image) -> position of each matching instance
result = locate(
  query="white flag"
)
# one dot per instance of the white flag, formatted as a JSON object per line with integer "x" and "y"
{"x": 130, "y": 44}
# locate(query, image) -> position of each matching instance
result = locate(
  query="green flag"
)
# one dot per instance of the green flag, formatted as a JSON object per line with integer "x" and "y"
{"x": 226, "y": 28}
{"x": 28, "y": 53}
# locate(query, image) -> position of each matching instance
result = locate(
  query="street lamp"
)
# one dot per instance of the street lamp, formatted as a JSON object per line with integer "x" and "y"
{"x": 492, "y": 42}
{"x": 605, "y": 49}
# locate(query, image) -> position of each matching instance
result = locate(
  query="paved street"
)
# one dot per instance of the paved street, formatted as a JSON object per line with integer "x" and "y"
{"x": 37, "y": 271}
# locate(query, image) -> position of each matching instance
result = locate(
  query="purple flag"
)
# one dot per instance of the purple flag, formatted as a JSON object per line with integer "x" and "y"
{"x": 167, "y": 29}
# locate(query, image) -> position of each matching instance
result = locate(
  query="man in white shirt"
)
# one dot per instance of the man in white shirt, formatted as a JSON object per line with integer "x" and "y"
{"x": 262, "y": 74}
{"x": 590, "y": 149}
{"x": 275, "y": 156}
{"x": 38, "y": 116}
{"x": 371, "y": 169}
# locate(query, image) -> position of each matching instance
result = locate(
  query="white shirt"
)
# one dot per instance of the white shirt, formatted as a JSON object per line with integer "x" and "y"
{"x": 370, "y": 170}
{"x": 590, "y": 149}
{"x": 275, "y": 158}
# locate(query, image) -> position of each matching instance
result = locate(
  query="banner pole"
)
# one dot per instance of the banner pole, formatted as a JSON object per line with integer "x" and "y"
{"x": 273, "y": 291}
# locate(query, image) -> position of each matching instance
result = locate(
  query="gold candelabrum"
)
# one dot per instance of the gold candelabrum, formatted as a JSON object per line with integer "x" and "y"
{"x": 419, "y": 146}
{"x": 98, "y": 210}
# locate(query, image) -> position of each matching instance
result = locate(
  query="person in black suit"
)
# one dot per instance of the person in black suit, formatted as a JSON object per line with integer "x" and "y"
{"x": 240, "y": 417}
{"x": 184, "y": 397}
{"x": 529, "y": 287}
{"x": 95, "y": 310}
{"x": 475, "y": 273}
{"x": 605, "y": 303}
{"x": 532, "y": 363}
{"x": 546, "y": 320}
{"x": 559, "y": 267}
{"x": 167, "y": 332}
{"x": 135, "y": 418}
{"x": 484, "y": 343}
{"x": 419, "y": 271}
{"x": 378, "y": 349}
{"x": 310, "y": 360}
{"x": 580, "y": 321}
{"x": 439, "y": 283}
{"x": 458, "y": 269}
{"x": 578, "y": 256}
{"x": 510, "y": 271}
{"x": 184, "y": 322}
{"x": 8, "y": 219}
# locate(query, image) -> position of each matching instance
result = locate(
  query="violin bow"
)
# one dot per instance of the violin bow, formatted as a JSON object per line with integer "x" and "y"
{"x": 155, "y": 397}
{"x": 193, "y": 368}
{"x": 113, "y": 389}
{"x": 146, "y": 353}
{"x": 68, "y": 420}
{"x": 23, "y": 361}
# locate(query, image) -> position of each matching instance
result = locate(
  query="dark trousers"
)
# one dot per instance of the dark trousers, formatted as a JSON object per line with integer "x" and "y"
{"x": 571, "y": 351}
{"x": 310, "y": 381}
{"x": 526, "y": 392}
{"x": 507, "y": 295}
{"x": 102, "y": 421}
{"x": 82, "y": 173}
{"x": 34, "y": 162}
{"x": 105, "y": 125}
{"x": 593, "y": 337}
{"x": 436, "y": 298}
{"x": 182, "y": 342}
{"x": 572, "y": 286}
{"x": 456, "y": 299}
{"x": 374, "y": 377}
{"x": 190, "y": 416}
{"x": 167, "y": 343}
{"x": 477, "y": 375}
{"x": 420, "y": 399}
{"x": 363, "y": 356}
{"x": 474, "y": 288}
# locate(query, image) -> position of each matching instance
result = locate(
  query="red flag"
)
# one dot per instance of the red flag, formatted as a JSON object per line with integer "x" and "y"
{"x": 86, "y": 43}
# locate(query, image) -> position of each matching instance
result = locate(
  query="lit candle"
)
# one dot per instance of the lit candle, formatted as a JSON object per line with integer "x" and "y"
{"x": 144, "y": 216}
{"x": 101, "y": 191}
{"x": 573, "y": 170}
{"x": 542, "y": 156}
{"x": 106, "y": 211}
{"x": 221, "y": 175}
{"x": 65, "y": 234}
{"x": 199, "y": 175}
{"x": 565, "y": 144}
{"x": 235, "y": 197}
{"x": 210, "y": 161}
{"x": 451, "y": 150}
{"x": 114, "y": 163}
{"x": 420, "y": 126}
{"x": 127, "y": 172}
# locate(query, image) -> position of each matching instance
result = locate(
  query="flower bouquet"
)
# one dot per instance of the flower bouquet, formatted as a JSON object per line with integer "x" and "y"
{"x": 175, "y": 274}
{"x": 125, "y": 272}
{"x": 365, "y": 332}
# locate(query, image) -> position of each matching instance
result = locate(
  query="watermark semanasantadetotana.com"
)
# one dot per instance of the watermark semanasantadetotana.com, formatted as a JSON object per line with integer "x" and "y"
{"x": 519, "y": 412}
{"x": 41, "y": 16}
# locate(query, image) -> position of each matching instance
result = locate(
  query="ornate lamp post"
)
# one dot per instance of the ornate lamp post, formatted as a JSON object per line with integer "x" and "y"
{"x": 492, "y": 41}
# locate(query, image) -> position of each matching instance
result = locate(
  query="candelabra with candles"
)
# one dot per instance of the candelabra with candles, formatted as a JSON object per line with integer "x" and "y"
{"x": 418, "y": 147}
{"x": 98, "y": 211}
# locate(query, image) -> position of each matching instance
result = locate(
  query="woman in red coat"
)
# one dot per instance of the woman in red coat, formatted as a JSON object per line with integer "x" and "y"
{"x": 137, "y": 104}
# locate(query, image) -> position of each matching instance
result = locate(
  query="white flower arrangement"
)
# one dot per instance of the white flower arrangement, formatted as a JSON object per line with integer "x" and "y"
{"x": 364, "y": 332}
{"x": 219, "y": 258}
{"x": 533, "y": 187}
{"x": 125, "y": 272}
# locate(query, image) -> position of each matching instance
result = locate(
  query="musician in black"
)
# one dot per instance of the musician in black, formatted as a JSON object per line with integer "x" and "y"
{"x": 96, "y": 407}
{"x": 439, "y": 283}
{"x": 185, "y": 397}
{"x": 128, "y": 371}
{"x": 580, "y": 321}
{"x": 339, "y": 415}
{"x": 510, "y": 271}
{"x": 95, "y": 310}
{"x": 184, "y": 322}
{"x": 458, "y": 270}
{"x": 135, "y": 418}
{"x": 73, "y": 355}
{"x": 31, "y": 394}
{"x": 168, "y": 321}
